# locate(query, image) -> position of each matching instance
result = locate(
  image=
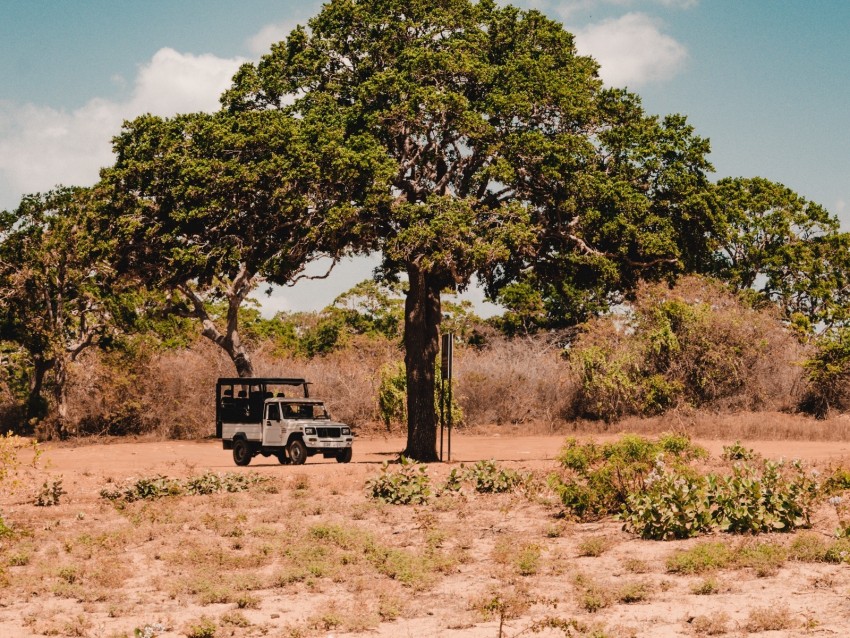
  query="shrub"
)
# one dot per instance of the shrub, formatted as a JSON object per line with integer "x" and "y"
{"x": 593, "y": 546}
{"x": 392, "y": 396}
{"x": 511, "y": 381}
{"x": 764, "y": 558}
{"x": 773, "y": 618}
{"x": 673, "y": 505}
{"x": 773, "y": 498}
{"x": 600, "y": 478}
{"x": 50, "y": 493}
{"x": 406, "y": 485}
{"x": 699, "y": 559}
{"x": 696, "y": 344}
{"x": 10, "y": 463}
{"x": 737, "y": 452}
{"x": 828, "y": 371}
{"x": 159, "y": 486}
{"x": 488, "y": 477}
{"x": 203, "y": 628}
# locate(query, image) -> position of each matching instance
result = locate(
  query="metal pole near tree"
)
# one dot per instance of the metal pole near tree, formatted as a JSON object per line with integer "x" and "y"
{"x": 446, "y": 353}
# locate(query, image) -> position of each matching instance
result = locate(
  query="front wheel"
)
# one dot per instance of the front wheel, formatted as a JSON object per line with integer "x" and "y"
{"x": 241, "y": 452}
{"x": 344, "y": 455}
{"x": 297, "y": 452}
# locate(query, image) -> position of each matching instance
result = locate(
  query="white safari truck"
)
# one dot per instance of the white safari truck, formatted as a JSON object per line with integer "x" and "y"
{"x": 276, "y": 417}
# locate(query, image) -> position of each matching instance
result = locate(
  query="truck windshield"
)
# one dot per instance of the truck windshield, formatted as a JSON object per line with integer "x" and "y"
{"x": 305, "y": 411}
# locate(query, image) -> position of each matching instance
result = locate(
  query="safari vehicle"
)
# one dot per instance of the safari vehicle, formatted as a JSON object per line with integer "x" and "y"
{"x": 277, "y": 417}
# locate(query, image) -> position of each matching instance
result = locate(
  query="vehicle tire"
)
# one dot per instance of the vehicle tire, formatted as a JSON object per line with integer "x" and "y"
{"x": 344, "y": 455}
{"x": 284, "y": 460}
{"x": 297, "y": 452}
{"x": 241, "y": 452}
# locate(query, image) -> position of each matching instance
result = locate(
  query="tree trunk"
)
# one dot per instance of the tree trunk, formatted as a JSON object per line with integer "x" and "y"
{"x": 421, "y": 345}
{"x": 60, "y": 396}
{"x": 35, "y": 403}
{"x": 240, "y": 357}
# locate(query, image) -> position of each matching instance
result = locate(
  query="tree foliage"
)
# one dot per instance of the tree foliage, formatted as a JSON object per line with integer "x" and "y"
{"x": 788, "y": 250}
{"x": 59, "y": 295}
{"x": 209, "y": 206}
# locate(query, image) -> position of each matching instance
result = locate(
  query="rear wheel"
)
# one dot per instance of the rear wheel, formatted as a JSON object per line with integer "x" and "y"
{"x": 241, "y": 452}
{"x": 344, "y": 455}
{"x": 297, "y": 452}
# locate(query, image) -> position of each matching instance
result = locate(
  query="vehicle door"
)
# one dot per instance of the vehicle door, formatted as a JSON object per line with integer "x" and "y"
{"x": 272, "y": 425}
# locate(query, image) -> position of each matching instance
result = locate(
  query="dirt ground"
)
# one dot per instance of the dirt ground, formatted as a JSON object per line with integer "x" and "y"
{"x": 310, "y": 554}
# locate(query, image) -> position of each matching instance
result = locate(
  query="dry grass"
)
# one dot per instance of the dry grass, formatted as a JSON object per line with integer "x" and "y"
{"x": 307, "y": 554}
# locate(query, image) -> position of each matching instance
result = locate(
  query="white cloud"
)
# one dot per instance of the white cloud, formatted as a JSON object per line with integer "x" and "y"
{"x": 261, "y": 42}
{"x": 42, "y": 146}
{"x": 631, "y": 50}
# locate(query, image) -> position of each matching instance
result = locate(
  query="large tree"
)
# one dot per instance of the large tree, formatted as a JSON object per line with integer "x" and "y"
{"x": 509, "y": 159}
{"x": 58, "y": 295}
{"x": 208, "y": 206}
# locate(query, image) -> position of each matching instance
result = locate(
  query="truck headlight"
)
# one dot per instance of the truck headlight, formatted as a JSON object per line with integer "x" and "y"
{"x": 309, "y": 430}
{"x": 346, "y": 431}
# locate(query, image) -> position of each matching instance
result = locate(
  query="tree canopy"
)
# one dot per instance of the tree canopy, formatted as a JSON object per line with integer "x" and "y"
{"x": 784, "y": 248}
{"x": 209, "y": 206}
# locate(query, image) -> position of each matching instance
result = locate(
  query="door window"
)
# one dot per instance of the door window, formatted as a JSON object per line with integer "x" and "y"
{"x": 272, "y": 412}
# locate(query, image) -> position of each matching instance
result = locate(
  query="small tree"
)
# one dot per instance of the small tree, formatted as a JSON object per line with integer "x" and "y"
{"x": 59, "y": 295}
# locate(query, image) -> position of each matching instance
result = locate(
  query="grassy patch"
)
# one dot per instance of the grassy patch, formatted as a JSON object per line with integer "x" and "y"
{"x": 703, "y": 557}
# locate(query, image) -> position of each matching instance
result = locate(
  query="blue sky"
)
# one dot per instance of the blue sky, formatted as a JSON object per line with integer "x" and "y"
{"x": 767, "y": 81}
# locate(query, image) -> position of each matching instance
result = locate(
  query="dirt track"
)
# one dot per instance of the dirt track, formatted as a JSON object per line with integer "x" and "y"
{"x": 165, "y": 456}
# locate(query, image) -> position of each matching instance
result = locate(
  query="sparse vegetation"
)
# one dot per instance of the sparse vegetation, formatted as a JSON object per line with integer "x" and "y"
{"x": 155, "y": 487}
{"x": 209, "y": 547}
{"x": 406, "y": 484}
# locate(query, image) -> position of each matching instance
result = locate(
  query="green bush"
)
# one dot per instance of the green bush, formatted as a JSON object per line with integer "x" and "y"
{"x": 771, "y": 498}
{"x": 159, "y": 486}
{"x": 488, "y": 477}
{"x": 392, "y": 396}
{"x": 407, "y": 484}
{"x": 697, "y": 344}
{"x": 673, "y": 505}
{"x": 50, "y": 493}
{"x": 828, "y": 371}
{"x": 600, "y": 478}
{"x": 737, "y": 452}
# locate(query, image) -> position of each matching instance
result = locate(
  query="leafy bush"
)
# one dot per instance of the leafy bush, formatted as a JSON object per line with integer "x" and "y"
{"x": 600, "y": 478}
{"x": 488, "y": 477}
{"x": 828, "y": 371}
{"x": 673, "y": 505}
{"x": 10, "y": 463}
{"x": 159, "y": 486}
{"x": 392, "y": 396}
{"x": 408, "y": 484}
{"x": 50, "y": 493}
{"x": 737, "y": 452}
{"x": 772, "y": 498}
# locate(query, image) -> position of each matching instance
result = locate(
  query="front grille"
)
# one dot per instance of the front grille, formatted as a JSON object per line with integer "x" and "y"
{"x": 328, "y": 433}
